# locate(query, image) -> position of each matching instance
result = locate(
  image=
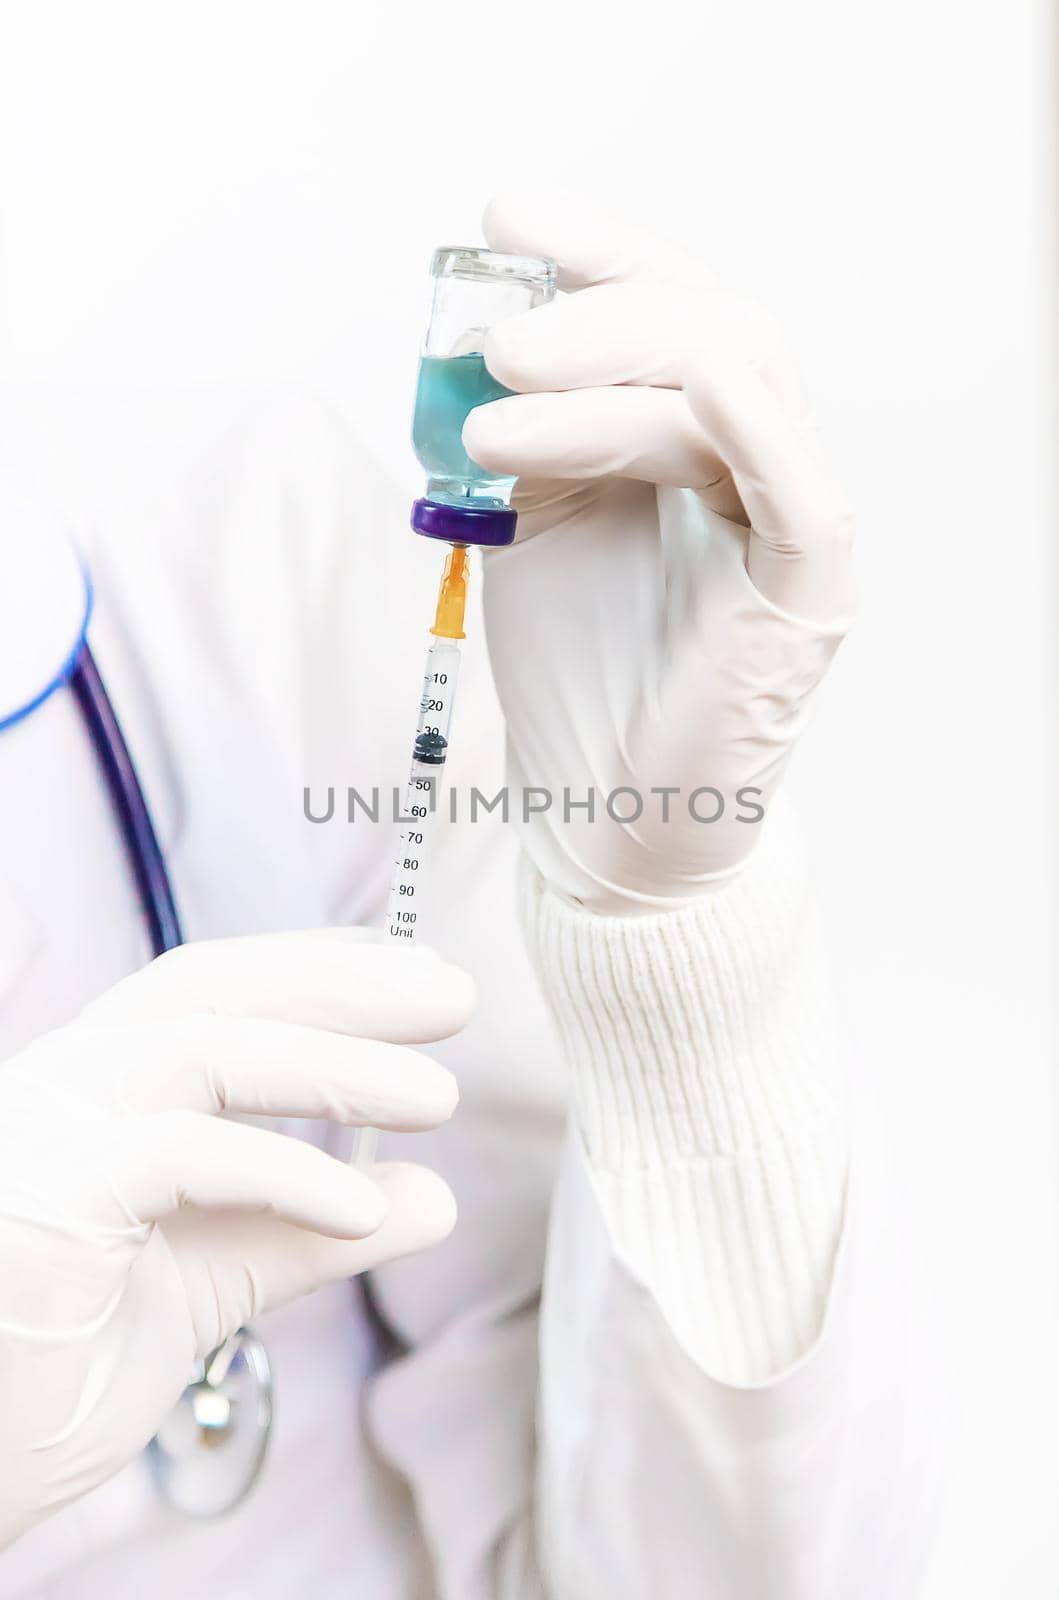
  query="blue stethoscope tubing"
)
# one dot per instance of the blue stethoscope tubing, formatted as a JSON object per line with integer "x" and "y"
{"x": 144, "y": 853}
{"x": 80, "y": 673}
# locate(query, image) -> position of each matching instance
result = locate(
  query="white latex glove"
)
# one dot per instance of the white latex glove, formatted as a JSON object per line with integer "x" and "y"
{"x": 681, "y": 577}
{"x": 138, "y": 1229}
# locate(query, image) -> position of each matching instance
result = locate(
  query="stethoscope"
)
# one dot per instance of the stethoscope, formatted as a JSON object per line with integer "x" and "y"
{"x": 209, "y": 1451}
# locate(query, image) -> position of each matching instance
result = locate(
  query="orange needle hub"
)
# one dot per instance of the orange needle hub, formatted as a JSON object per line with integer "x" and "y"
{"x": 452, "y": 596}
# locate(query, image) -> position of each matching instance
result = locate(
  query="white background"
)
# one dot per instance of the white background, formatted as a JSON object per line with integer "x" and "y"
{"x": 201, "y": 200}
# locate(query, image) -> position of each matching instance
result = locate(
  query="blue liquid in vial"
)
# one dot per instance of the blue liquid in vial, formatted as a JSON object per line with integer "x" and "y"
{"x": 449, "y": 387}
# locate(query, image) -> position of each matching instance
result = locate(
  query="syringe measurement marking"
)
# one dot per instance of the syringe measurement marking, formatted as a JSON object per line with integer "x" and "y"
{"x": 420, "y": 801}
{"x": 428, "y": 759}
{"x": 408, "y": 861}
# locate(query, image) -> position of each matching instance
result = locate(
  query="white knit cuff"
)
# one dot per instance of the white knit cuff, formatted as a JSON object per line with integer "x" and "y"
{"x": 709, "y": 1096}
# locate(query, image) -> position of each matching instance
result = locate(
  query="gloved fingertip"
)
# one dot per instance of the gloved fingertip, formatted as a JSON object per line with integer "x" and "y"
{"x": 460, "y": 998}
{"x": 447, "y": 1095}
{"x": 496, "y": 435}
{"x": 478, "y": 437}
{"x": 424, "y": 954}
{"x": 373, "y": 1204}
{"x": 507, "y": 220}
{"x": 505, "y": 353}
{"x": 494, "y": 220}
{"x": 421, "y": 1197}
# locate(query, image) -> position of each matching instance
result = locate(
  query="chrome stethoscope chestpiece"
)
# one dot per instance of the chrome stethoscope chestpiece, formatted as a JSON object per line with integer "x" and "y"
{"x": 208, "y": 1453}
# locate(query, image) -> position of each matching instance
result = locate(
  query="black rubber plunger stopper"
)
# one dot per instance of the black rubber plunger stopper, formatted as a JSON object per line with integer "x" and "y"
{"x": 431, "y": 749}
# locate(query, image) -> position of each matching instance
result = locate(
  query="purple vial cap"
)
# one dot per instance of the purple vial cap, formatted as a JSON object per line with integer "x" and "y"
{"x": 483, "y": 525}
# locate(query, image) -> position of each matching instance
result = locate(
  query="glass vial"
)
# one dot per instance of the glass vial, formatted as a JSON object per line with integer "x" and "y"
{"x": 472, "y": 290}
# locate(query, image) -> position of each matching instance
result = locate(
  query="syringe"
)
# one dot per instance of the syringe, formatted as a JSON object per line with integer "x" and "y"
{"x": 419, "y": 811}
{"x": 465, "y": 504}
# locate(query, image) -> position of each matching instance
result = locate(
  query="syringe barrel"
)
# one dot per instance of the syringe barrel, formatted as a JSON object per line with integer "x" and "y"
{"x": 419, "y": 811}
{"x": 418, "y": 819}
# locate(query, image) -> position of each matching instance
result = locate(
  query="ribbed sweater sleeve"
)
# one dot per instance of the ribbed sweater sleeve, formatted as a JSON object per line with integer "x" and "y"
{"x": 708, "y": 1091}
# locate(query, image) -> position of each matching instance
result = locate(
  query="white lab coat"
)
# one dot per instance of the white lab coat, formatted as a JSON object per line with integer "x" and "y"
{"x": 260, "y": 622}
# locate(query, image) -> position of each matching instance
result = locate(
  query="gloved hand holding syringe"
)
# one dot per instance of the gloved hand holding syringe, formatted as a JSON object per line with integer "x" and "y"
{"x": 464, "y": 505}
